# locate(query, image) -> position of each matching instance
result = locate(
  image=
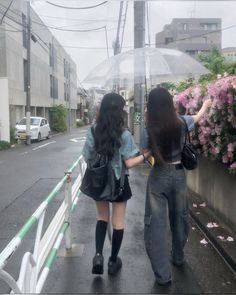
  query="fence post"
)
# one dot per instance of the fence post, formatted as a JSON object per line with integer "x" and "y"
{"x": 68, "y": 201}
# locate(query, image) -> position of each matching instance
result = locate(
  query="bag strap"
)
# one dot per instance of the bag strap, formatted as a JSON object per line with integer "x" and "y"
{"x": 187, "y": 135}
{"x": 122, "y": 177}
{"x": 93, "y": 132}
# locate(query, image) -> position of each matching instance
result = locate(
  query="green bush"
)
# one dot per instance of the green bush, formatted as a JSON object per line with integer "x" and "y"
{"x": 58, "y": 118}
{"x": 79, "y": 123}
{"x": 4, "y": 145}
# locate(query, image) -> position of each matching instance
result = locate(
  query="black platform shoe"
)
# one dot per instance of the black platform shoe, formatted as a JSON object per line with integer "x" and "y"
{"x": 97, "y": 264}
{"x": 113, "y": 267}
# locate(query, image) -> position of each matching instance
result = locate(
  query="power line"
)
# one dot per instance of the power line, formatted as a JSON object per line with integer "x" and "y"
{"x": 55, "y": 28}
{"x": 10, "y": 25}
{"x": 112, "y": 19}
{"x": 160, "y": 43}
{"x": 78, "y": 8}
{"x": 196, "y": 36}
{"x": 6, "y": 11}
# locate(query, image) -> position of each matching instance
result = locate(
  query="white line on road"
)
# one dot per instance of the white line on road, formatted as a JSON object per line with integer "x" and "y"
{"x": 41, "y": 146}
{"x": 23, "y": 153}
{"x": 78, "y": 139}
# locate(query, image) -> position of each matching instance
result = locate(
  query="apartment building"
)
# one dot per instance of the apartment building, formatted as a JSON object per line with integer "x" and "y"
{"x": 191, "y": 35}
{"x": 53, "y": 72}
{"x": 229, "y": 53}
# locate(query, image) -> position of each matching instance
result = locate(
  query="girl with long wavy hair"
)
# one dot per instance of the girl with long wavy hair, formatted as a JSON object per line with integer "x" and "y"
{"x": 112, "y": 139}
{"x": 166, "y": 197}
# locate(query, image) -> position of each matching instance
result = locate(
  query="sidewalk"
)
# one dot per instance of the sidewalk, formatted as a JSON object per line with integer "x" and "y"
{"x": 204, "y": 271}
{"x": 219, "y": 234}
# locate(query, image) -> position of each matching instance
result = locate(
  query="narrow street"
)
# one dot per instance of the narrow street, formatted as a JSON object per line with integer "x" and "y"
{"x": 30, "y": 172}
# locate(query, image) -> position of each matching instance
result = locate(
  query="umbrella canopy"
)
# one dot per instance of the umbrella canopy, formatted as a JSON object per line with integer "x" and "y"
{"x": 155, "y": 64}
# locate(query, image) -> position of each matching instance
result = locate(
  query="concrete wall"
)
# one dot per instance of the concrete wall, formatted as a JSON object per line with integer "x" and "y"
{"x": 4, "y": 111}
{"x": 212, "y": 181}
{"x": 12, "y": 55}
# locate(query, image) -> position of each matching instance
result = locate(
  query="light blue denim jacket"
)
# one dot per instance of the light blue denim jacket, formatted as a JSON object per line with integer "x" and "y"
{"x": 127, "y": 150}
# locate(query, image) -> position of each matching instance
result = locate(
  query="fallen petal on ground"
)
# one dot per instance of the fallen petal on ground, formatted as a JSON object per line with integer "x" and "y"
{"x": 221, "y": 238}
{"x": 204, "y": 241}
{"x": 212, "y": 224}
{"x": 230, "y": 239}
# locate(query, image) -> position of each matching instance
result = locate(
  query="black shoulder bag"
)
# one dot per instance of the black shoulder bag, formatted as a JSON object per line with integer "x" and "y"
{"x": 99, "y": 181}
{"x": 189, "y": 154}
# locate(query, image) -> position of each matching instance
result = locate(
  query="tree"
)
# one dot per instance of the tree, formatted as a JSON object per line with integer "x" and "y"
{"x": 213, "y": 61}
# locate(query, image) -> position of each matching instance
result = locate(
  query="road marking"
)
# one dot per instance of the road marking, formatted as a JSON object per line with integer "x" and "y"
{"x": 24, "y": 153}
{"x": 41, "y": 146}
{"x": 78, "y": 139}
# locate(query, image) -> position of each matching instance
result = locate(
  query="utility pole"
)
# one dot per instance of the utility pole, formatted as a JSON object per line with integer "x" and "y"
{"x": 69, "y": 97}
{"x": 28, "y": 93}
{"x": 139, "y": 83}
{"x": 116, "y": 46}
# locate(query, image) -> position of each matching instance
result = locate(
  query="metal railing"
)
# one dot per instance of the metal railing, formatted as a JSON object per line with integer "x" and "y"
{"x": 35, "y": 266}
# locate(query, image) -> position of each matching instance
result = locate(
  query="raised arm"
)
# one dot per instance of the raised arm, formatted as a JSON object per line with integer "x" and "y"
{"x": 206, "y": 104}
{"x": 134, "y": 161}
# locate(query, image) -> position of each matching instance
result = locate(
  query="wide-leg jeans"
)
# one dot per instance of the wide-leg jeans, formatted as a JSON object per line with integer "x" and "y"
{"x": 166, "y": 207}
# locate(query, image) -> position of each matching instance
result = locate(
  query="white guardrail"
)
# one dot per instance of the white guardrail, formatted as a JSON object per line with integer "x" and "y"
{"x": 36, "y": 266}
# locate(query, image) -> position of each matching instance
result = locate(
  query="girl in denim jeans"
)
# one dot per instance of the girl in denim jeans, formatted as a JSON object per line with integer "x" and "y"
{"x": 166, "y": 196}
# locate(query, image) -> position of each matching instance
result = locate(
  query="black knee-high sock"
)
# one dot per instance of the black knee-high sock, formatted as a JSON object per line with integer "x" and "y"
{"x": 117, "y": 238}
{"x": 100, "y": 234}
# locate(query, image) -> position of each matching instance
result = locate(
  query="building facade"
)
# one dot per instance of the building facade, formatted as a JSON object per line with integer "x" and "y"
{"x": 191, "y": 35}
{"x": 53, "y": 72}
{"x": 229, "y": 53}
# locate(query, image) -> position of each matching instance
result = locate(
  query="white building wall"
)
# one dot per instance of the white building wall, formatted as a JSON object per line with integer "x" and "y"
{"x": 41, "y": 70}
{"x": 4, "y": 111}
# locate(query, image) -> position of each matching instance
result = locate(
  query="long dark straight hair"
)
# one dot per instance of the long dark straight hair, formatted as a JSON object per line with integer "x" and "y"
{"x": 164, "y": 126}
{"x": 109, "y": 124}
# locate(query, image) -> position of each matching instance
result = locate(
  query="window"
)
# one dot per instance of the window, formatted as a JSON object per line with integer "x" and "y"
{"x": 53, "y": 87}
{"x": 65, "y": 68}
{"x": 68, "y": 92}
{"x": 209, "y": 26}
{"x": 50, "y": 55}
{"x": 25, "y": 63}
{"x": 54, "y": 54}
{"x": 168, "y": 40}
{"x": 191, "y": 52}
{"x": 185, "y": 26}
{"x": 24, "y": 30}
{"x": 65, "y": 92}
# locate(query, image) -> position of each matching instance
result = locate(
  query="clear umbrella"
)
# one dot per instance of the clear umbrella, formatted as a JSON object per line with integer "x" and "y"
{"x": 154, "y": 64}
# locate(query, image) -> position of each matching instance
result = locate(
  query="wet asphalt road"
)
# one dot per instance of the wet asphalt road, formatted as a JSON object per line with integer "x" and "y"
{"x": 27, "y": 174}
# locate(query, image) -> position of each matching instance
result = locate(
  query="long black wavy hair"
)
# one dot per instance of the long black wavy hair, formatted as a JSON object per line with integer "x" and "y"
{"x": 163, "y": 124}
{"x": 109, "y": 124}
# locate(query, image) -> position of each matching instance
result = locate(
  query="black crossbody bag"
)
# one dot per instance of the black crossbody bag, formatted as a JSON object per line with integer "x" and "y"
{"x": 189, "y": 155}
{"x": 99, "y": 181}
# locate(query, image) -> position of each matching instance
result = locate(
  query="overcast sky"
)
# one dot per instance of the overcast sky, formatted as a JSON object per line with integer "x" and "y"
{"x": 91, "y": 46}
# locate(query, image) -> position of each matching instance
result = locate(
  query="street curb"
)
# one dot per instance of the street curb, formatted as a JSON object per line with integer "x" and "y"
{"x": 202, "y": 216}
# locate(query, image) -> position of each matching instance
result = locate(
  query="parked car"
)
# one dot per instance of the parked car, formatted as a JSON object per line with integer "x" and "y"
{"x": 39, "y": 128}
